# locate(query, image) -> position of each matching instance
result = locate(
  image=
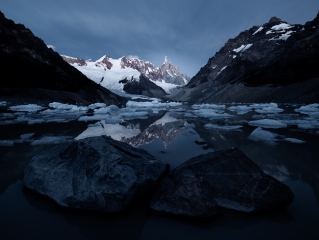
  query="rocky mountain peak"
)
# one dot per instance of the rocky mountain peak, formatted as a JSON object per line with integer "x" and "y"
{"x": 274, "y": 19}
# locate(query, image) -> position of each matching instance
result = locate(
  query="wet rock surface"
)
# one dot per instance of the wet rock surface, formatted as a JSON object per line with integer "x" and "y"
{"x": 224, "y": 179}
{"x": 95, "y": 173}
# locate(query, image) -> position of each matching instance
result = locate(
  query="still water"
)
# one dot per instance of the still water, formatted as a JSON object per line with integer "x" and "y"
{"x": 282, "y": 139}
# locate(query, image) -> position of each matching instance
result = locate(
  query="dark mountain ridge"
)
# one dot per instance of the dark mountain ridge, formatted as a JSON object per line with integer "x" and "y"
{"x": 264, "y": 59}
{"x": 31, "y": 70}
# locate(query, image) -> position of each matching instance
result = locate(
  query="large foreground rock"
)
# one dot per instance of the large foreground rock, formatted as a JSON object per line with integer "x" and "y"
{"x": 225, "y": 179}
{"x": 96, "y": 173}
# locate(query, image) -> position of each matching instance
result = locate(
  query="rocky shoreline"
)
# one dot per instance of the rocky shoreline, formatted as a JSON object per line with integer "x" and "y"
{"x": 106, "y": 175}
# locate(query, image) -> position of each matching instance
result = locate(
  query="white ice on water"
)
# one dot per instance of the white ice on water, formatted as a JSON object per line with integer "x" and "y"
{"x": 240, "y": 109}
{"x": 267, "y": 123}
{"x": 294, "y": 140}
{"x": 223, "y": 128}
{"x": 26, "y": 108}
{"x": 6, "y": 143}
{"x": 265, "y": 136}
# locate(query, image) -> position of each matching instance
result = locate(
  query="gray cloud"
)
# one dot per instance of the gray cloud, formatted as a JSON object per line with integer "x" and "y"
{"x": 188, "y": 32}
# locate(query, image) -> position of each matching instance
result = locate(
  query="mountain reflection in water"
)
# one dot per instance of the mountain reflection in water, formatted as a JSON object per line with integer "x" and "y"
{"x": 287, "y": 151}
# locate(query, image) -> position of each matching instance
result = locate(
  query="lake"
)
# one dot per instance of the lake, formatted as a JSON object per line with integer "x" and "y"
{"x": 282, "y": 139}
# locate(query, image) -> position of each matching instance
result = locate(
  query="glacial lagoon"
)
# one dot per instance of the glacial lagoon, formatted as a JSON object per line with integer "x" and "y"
{"x": 281, "y": 138}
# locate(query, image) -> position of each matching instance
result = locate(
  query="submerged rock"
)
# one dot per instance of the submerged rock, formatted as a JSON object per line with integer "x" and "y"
{"x": 226, "y": 179}
{"x": 95, "y": 173}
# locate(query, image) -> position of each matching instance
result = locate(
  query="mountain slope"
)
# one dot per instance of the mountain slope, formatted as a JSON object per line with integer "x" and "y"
{"x": 259, "y": 64}
{"x": 31, "y": 70}
{"x": 108, "y": 72}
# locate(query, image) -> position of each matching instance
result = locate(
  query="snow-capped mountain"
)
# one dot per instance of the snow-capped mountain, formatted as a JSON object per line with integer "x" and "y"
{"x": 115, "y": 73}
{"x": 257, "y": 64}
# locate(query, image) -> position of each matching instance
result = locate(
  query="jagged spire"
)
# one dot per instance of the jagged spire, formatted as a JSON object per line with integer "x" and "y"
{"x": 165, "y": 60}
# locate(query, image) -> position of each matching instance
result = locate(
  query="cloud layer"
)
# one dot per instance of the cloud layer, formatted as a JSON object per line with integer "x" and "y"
{"x": 188, "y": 32}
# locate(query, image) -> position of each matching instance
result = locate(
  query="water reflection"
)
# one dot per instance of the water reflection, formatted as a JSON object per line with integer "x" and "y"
{"x": 289, "y": 153}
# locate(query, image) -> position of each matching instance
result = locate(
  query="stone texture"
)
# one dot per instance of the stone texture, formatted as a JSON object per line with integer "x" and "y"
{"x": 226, "y": 179}
{"x": 96, "y": 173}
{"x": 269, "y": 61}
{"x": 143, "y": 87}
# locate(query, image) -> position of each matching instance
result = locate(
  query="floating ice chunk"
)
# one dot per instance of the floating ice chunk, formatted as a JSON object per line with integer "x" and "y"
{"x": 262, "y": 105}
{"x": 51, "y": 140}
{"x": 294, "y": 140}
{"x": 97, "y": 105}
{"x": 26, "y": 136}
{"x": 269, "y": 110}
{"x": 36, "y": 121}
{"x": 262, "y": 135}
{"x": 70, "y": 107}
{"x": 258, "y": 30}
{"x": 225, "y": 128}
{"x": 208, "y": 106}
{"x": 153, "y": 104}
{"x": 134, "y": 114}
{"x": 189, "y": 125}
{"x": 26, "y": 108}
{"x": 6, "y": 143}
{"x": 267, "y": 123}
{"x": 210, "y": 113}
{"x": 306, "y": 126}
{"x": 189, "y": 115}
{"x": 96, "y": 117}
{"x": 281, "y": 26}
{"x": 3, "y": 103}
{"x": 240, "y": 109}
{"x": 308, "y": 108}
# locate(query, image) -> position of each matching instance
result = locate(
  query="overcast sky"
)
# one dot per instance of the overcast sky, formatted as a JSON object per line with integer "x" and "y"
{"x": 188, "y": 32}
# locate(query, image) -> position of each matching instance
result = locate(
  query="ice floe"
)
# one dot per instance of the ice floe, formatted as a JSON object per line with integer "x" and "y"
{"x": 240, "y": 109}
{"x": 224, "y": 127}
{"x": 209, "y": 106}
{"x": 293, "y": 140}
{"x": 265, "y": 136}
{"x": 51, "y": 140}
{"x": 97, "y": 105}
{"x": 266, "y": 108}
{"x": 267, "y": 123}
{"x": 26, "y": 136}
{"x": 211, "y": 113}
{"x": 26, "y": 108}
{"x": 6, "y": 143}
{"x": 153, "y": 104}
{"x": 3, "y": 103}
{"x": 310, "y": 108}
